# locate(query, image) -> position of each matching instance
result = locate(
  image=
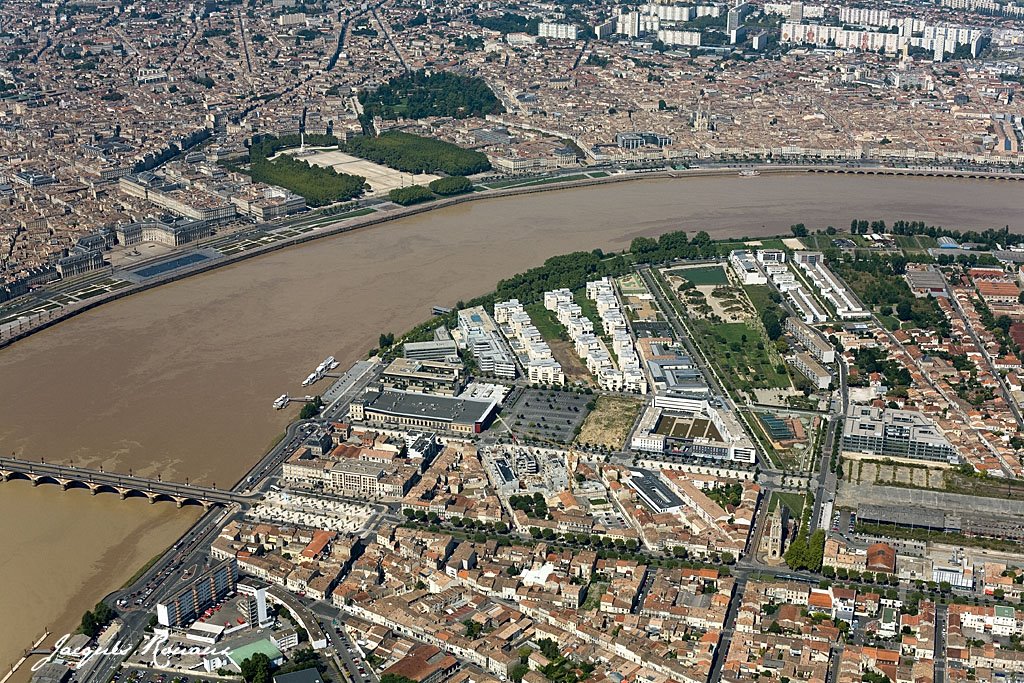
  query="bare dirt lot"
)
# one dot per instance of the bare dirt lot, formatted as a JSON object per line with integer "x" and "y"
{"x": 572, "y": 366}
{"x": 609, "y": 423}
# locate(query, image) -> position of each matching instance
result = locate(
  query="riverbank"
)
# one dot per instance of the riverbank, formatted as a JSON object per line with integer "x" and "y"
{"x": 178, "y": 380}
{"x": 348, "y": 225}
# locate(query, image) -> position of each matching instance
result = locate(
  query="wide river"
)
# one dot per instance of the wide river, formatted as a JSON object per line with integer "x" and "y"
{"x": 179, "y": 380}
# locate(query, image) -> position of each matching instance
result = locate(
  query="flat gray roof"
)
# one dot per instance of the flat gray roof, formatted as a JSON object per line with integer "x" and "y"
{"x": 429, "y": 406}
{"x": 657, "y": 492}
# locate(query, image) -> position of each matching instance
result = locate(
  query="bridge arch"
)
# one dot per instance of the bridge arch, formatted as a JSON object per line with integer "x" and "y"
{"x": 45, "y": 479}
{"x": 157, "y": 497}
{"x": 132, "y": 493}
{"x": 75, "y": 484}
{"x": 103, "y": 488}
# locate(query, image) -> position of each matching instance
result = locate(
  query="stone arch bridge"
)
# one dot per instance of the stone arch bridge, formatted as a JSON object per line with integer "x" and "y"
{"x": 127, "y": 486}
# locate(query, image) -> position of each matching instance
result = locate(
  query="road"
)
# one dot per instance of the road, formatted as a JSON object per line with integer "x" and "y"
{"x": 825, "y": 491}
{"x": 135, "y": 602}
{"x": 722, "y": 651}
{"x": 941, "y": 622}
{"x": 989, "y": 361}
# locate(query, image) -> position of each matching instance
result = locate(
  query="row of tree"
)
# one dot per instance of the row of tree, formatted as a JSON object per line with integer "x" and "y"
{"x": 571, "y": 271}
{"x": 318, "y": 185}
{"x": 674, "y": 245}
{"x": 990, "y": 237}
{"x": 416, "y": 154}
{"x": 96, "y": 619}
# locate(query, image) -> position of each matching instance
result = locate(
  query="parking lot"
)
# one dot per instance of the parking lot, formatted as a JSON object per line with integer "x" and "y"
{"x": 155, "y": 676}
{"x": 548, "y": 416}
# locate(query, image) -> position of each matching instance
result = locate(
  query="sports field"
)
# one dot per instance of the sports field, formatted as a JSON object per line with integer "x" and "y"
{"x": 702, "y": 275}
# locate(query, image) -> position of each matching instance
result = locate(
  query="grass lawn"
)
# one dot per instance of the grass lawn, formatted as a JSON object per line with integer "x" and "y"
{"x": 760, "y": 296}
{"x": 915, "y": 242}
{"x": 702, "y": 275}
{"x": 520, "y": 182}
{"x": 594, "y": 593}
{"x": 609, "y": 423}
{"x": 559, "y": 179}
{"x": 545, "y": 322}
{"x": 589, "y": 309}
{"x": 766, "y": 243}
{"x": 734, "y": 348}
{"x": 794, "y": 501}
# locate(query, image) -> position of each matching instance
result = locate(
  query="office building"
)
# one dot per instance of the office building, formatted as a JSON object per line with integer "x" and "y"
{"x": 172, "y": 234}
{"x": 745, "y": 267}
{"x": 428, "y": 376}
{"x": 479, "y": 334}
{"x": 430, "y": 350}
{"x": 78, "y": 261}
{"x": 893, "y": 433}
{"x": 187, "y": 605}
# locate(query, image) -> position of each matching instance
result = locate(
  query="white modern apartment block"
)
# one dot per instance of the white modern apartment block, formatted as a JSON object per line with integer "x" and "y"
{"x": 541, "y": 367}
{"x": 745, "y": 267}
{"x": 613, "y": 319}
{"x": 547, "y": 29}
{"x": 773, "y": 263}
{"x": 591, "y": 348}
{"x": 812, "y": 340}
{"x": 831, "y": 288}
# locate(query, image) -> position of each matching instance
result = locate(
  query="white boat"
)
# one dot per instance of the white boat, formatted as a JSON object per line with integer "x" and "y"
{"x": 281, "y": 401}
{"x": 312, "y": 378}
{"x": 749, "y": 173}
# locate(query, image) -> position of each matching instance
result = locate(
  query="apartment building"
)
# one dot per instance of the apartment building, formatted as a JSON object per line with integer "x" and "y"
{"x": 812, "y": 370}
{"x": 812, "y": 340}
{"x": 187, "y": 604}
{"x": 515, "y": 322}
{"x": 829, "y": 286}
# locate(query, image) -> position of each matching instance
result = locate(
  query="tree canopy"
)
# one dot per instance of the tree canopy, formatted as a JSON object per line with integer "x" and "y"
{"x": 318, "y": 185}
{"x": 406, "y": 196}
{"x": 256, "y": 669}
{"x": 418, "y": 95}
{"x": 451, "y": 185}
{"x": 416, "y": 154}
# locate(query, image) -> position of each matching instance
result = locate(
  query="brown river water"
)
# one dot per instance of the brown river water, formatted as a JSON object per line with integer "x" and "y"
{"x": 179, "y": 380}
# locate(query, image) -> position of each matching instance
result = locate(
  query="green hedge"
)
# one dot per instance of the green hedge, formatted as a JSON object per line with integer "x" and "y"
{"x": 414, "y": 194}
{"x": 454, "y": 184}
